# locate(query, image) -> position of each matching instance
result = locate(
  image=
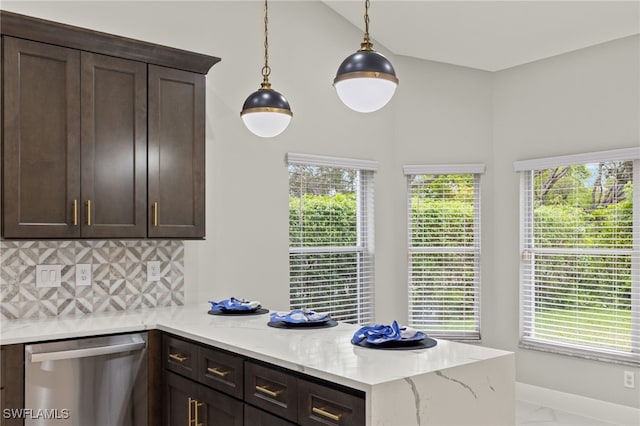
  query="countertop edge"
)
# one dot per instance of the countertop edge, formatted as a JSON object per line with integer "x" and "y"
{"x": 354, "y": 367}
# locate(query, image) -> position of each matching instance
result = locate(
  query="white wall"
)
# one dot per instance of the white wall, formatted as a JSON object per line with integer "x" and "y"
{"x": 443, "y": 115}
{"x": 581, "y": 101}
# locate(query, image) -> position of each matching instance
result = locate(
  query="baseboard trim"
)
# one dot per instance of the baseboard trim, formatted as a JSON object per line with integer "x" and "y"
{"x": 580, "y": 405}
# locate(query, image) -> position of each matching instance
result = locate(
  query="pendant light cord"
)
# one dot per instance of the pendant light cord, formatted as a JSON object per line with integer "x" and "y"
{"x": 366, "y": 44}
{"x": 266, "y": 69}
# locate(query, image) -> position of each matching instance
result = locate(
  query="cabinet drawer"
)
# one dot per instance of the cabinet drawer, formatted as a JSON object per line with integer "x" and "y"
{"x": 272, "y": 390}
{"x": 256, "y": 417}
{"x": 321, "y": 405}
{"x": 221, "y": 371}
{"x": 179, "y": 356}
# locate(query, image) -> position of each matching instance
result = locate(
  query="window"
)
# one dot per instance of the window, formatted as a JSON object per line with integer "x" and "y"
{"x": 580, "y": 289}
{"x": 444, "y": 250}
{"x": 331, "y": 236}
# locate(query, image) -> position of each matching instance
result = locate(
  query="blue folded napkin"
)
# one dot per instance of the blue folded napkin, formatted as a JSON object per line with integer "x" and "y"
{"x": 233, "y": 304}
{"x": 379, "y": 333}
{"x": 298, "y": 316}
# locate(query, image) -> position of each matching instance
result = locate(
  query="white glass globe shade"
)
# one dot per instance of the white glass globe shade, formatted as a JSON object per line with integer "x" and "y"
{"x": 266, "y": 124}
{"x": 365, "y": 94}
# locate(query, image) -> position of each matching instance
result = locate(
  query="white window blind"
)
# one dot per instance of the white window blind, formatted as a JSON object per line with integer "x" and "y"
{"x": 444, "y": 250}
{"x": 580, "y": 266}
{"x": 331, "y": 236}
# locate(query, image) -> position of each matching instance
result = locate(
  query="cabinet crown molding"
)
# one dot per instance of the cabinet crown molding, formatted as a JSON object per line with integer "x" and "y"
{"x": 27, "y": 27}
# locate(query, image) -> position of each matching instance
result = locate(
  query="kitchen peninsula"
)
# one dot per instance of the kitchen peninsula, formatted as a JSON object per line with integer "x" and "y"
{"x": 451, "y": 383}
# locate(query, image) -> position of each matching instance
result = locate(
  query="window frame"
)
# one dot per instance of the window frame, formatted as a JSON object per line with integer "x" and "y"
{"x": 364, "y": 248}
{"x": 476, "y": 170}
{"x": 526, "y": 340}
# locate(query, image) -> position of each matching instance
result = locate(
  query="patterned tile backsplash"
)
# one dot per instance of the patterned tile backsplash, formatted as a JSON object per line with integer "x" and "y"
{"x": 119, "y": 276}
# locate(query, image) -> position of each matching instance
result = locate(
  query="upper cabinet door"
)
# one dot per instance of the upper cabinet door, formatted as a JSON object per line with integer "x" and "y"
{"x": 41, "y": 159}
{"x": 114, "y": 147}
{"x": 176, "y": 153}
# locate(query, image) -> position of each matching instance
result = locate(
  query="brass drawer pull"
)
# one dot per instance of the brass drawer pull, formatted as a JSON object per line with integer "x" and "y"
{"x": 265, "y": 390}
{"x": 217, "y": 372}
{"x": 324, "y": 413}
{"x": 89, "y": 212}
{"x": 178, "y": 357}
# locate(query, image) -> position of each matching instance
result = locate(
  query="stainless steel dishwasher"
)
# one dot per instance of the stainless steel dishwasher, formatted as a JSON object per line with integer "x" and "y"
{"x": 98, "y": 381}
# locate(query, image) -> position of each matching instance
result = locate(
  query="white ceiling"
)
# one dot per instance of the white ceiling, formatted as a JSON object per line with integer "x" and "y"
{"x": 491, "y": 35}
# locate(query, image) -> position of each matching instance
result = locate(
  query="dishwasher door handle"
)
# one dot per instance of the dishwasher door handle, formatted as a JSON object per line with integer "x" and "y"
{"x": 136, "y": 343}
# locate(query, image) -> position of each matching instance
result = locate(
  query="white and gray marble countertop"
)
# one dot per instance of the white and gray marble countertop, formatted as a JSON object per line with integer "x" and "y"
{"x": 324, "y": 353}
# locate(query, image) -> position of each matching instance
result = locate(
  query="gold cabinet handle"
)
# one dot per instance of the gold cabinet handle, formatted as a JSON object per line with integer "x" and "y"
{"x": 324, "y": 413}
{"x": 89, "y": 212}
{"x": 155, "y": 214}
{"x": 190, "y": 415}
{"x": 265, "y": 390}
{"x": 196, "y": 407}
{"x": 218, "y": 372}
{"x": 75, "y": 212}
{"x": 194, "y": 404}
{"x": 178, "y": 357}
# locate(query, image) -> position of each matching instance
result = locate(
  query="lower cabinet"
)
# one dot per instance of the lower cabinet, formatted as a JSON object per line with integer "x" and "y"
{"x": 11, "y": 384}
{"x": 209, "y": 386}
{"x": 190, "y": 403}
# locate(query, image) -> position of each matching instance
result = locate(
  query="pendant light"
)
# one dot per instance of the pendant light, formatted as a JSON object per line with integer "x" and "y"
{"x": 266, "y": 113}
{"x": 366, "y": 80}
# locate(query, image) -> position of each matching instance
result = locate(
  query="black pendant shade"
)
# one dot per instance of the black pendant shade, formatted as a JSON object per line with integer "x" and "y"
{"x": 366, "y": 62}
{"x": 266, "y": 100}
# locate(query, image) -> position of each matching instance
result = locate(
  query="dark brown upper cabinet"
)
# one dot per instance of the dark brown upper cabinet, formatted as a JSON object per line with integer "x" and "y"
{"x": 41, "y": 140}
{"x": 78, "y": 160}
{"x": 176, "y": 153}
{"x": 114, "y": 147}
{"x": 75, "y": 143}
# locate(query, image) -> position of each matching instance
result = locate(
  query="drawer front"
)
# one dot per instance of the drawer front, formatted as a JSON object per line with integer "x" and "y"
{"x": 179, "y": 356}
{"x": 256, "y": 417}
{"x": 321, "y": 405}
{"x": 272, "y": 390}
{"x": 221, "y": 371}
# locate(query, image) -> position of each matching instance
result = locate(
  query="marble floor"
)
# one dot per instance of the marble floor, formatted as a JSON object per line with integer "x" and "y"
{"x": 530, "y": 414}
